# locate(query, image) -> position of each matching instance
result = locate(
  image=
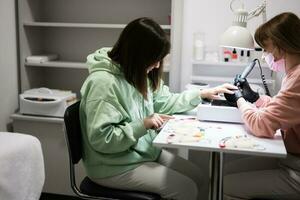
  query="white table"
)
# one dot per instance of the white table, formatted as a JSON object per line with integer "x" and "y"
{"x": 214, "y": 133}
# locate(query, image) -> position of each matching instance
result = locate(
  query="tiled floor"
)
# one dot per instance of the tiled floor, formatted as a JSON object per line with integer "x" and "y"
{"x": 46, "y": 196}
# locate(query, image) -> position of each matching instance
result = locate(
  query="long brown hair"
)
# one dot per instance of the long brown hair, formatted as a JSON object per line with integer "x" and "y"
{"x": 141, "y": 44}
{"x": 284, "y": 32}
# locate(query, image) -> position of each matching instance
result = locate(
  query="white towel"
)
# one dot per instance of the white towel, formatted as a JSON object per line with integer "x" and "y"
{"x": 22, "y": 172}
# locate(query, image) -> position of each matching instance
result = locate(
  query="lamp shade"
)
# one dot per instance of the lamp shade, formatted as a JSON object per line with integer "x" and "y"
{"x": 237, "y": 37}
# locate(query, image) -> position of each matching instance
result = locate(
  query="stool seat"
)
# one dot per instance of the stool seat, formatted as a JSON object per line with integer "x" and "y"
{"x": 88, "y": 187}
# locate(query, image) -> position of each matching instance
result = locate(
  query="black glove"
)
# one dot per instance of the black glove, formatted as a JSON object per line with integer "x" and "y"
{"x": 245, "y": 88}
{"x": 232, "y": 98}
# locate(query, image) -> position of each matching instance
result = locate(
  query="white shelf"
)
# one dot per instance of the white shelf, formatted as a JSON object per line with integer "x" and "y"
{"x": 227, "y": 79}
{"x": 230, "y": 64}
{"x": 70, "y": 65}
{"x": 19, "y": 116}
{"x": 80, "y": 25}
{"x": 59, "y": 64}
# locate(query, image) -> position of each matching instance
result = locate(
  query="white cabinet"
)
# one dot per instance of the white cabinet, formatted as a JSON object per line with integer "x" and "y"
{"x": 72, "y": 29}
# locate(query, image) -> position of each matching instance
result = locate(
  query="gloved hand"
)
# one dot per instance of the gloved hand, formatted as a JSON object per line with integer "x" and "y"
{"x": 245, "y": 88}
{"x": 232, "y": 98}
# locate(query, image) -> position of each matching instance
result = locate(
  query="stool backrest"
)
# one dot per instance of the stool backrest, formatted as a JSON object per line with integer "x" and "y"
{"x": 73, "y": 132}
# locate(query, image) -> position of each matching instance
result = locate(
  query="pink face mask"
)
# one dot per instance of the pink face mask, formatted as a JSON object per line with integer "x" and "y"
{"x": 278, "y": 66}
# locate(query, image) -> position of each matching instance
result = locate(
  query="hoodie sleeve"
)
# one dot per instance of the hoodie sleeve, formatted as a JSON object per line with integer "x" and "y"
{"x": 280, "y": 112}
{"x": 107, "y": 131}
{"x": 168, "y": 103}
{"x": 263, "y": 101}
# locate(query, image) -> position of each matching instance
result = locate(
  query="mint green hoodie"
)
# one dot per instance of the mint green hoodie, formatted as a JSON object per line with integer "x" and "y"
{"x": 111, "y": 115}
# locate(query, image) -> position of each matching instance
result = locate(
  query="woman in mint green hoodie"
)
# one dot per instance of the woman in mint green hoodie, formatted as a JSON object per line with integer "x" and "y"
{"x": 123, "y": 102}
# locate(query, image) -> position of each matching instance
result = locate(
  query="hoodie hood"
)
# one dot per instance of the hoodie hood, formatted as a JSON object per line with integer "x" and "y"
{"x": 99, "y": 61}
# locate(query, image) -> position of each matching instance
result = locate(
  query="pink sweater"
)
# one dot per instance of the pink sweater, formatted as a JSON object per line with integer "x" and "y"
{"x": 280, "y": 112}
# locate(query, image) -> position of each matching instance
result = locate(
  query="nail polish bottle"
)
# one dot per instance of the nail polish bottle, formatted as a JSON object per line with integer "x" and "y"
{"x": 242, "y": 56}
{"x": 234, "y": 56}
{"x": 248, "y": 58}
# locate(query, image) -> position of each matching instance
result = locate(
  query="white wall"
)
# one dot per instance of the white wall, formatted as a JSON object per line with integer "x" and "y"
{"x": 213, "y": 17}
{"x": 8, "y": 63}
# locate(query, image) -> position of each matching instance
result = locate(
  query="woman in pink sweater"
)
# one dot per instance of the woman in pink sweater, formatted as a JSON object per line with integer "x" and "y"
{"x": 266, "y": 178}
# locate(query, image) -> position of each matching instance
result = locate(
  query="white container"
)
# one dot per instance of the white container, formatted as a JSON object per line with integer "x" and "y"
{"x": 198, "y": 50}
{"x": 207, "y": 112}
{"x": 41, "y": 58}
{"x": 198, "y": 46}
{"x": 46, "y": 102}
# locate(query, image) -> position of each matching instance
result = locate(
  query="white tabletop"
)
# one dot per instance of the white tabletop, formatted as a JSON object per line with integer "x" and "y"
{"x": 214, "y": 132}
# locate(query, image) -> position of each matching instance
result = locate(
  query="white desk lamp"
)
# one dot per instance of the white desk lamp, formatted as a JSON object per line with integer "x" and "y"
{"x": 237, "y": 35}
